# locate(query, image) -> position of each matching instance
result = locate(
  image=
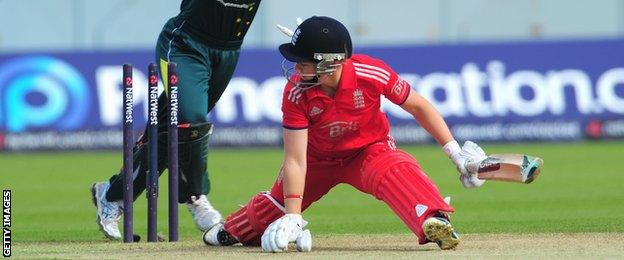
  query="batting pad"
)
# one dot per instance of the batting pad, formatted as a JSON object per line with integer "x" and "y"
{"x": 248, "y": 223}
{"x": 396, "y": 178}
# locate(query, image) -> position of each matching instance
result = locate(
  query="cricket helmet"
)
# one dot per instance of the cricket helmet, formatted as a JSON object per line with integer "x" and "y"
{"x": 315, "y": 36}
{"x": 321, "y": 40}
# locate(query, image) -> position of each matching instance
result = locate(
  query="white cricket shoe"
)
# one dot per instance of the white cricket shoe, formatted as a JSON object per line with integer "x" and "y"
{"x": 217, "y": 236}
{"x": 204, "y": 214}
{"x": 108, "y": 213}
{"x": 211, "y": 237}
{"x": 440, "y": 231}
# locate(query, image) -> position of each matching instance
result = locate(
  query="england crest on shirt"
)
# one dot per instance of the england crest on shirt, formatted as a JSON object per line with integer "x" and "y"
{"x": 358, "y": 99}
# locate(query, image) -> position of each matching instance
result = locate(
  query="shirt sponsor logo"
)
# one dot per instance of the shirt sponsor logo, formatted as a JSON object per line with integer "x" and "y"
{"x": 338, "y": 129}
{"x": 399, "y": 86}
{"x": 233, "y": 4}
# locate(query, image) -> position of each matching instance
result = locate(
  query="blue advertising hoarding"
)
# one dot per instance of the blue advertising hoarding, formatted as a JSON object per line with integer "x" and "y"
{"x": 530, "y": 91}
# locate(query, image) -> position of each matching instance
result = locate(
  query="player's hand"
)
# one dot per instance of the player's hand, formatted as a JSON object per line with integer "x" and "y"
{"x": 304, "y": 241}
{"x": 464, "y": 157}
{"x": 453, "y": 150}
{"x": 471, "y": 154}
{"x": 287, "y": 229}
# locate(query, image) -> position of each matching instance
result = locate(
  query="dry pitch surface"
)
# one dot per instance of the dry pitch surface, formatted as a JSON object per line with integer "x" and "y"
{"x": 549, "y": 246}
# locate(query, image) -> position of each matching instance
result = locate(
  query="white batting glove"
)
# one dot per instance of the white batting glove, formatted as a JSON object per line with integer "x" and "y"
{"x": 473, "y": 153}
{"x": 453, "y": 151}
{"x": 285, "y": 230}
{"x": 470, "y": 152}
{"x": 304, "y": 241}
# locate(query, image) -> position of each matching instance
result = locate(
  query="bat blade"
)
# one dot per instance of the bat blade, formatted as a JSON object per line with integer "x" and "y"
{"x": 520, "y": 168}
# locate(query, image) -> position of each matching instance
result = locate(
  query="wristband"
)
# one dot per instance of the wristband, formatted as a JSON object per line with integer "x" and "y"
{"x": 451, "y": 148}
{"x": 293, "y": 196}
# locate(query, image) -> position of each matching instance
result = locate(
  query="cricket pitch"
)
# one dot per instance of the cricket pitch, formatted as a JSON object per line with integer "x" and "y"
{"x": 568, "y": 245}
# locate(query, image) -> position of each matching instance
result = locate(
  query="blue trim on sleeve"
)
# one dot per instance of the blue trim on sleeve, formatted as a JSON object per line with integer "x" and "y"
{"x": 406, "y": 96}
{"x": 294, "y": 128}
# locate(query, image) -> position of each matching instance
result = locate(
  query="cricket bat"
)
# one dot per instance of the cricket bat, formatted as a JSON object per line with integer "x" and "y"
{"x": 520, "y": 168}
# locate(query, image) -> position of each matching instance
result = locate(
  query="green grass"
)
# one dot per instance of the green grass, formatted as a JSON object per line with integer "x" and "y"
{"x": 580, "y": 190}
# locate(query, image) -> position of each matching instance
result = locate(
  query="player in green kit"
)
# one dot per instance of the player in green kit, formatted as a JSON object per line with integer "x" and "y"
{"x": 204, "y": 40}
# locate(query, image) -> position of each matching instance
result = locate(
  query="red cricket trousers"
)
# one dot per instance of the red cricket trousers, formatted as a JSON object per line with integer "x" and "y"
{"x": 381, "y": 170}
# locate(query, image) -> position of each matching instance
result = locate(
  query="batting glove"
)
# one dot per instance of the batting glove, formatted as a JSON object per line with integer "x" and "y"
{"x": 473, "y": 153}
{"x": 285, "y": 230}
{"x": 461, "y": 157}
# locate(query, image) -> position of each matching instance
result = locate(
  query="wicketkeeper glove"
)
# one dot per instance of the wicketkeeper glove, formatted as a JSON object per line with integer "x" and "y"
{"x": 287, "y": 229}
{"x": 470, "y": 152}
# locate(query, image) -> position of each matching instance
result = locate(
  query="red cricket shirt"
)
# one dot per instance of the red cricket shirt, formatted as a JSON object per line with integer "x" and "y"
{"x": 351, "y": 120}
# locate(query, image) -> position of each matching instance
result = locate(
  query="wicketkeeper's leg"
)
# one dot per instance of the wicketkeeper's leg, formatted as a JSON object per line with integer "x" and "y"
{"x": 193, "y": 152}
{"x": 140, "y": 154}
{"x": 193, "y": 157}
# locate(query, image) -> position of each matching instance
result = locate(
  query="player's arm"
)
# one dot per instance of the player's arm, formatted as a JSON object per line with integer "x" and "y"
{"x": 295, "y": 147}
{"x": 289, "y": 228}
{"x": 431, "y": 120}
{"x": 428, "y": 117}
{"x": 399, "y": 92}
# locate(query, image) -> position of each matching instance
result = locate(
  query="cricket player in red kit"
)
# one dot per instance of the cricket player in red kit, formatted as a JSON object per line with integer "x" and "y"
{"x": 335, "y": 132}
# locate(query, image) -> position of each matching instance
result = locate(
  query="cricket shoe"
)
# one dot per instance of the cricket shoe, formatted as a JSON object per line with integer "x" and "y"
{"x": 108, "y": 213}
{"x": 217, "y": 236}
{"x": 440, "y": 231}
{"x": 204, "y": 214}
